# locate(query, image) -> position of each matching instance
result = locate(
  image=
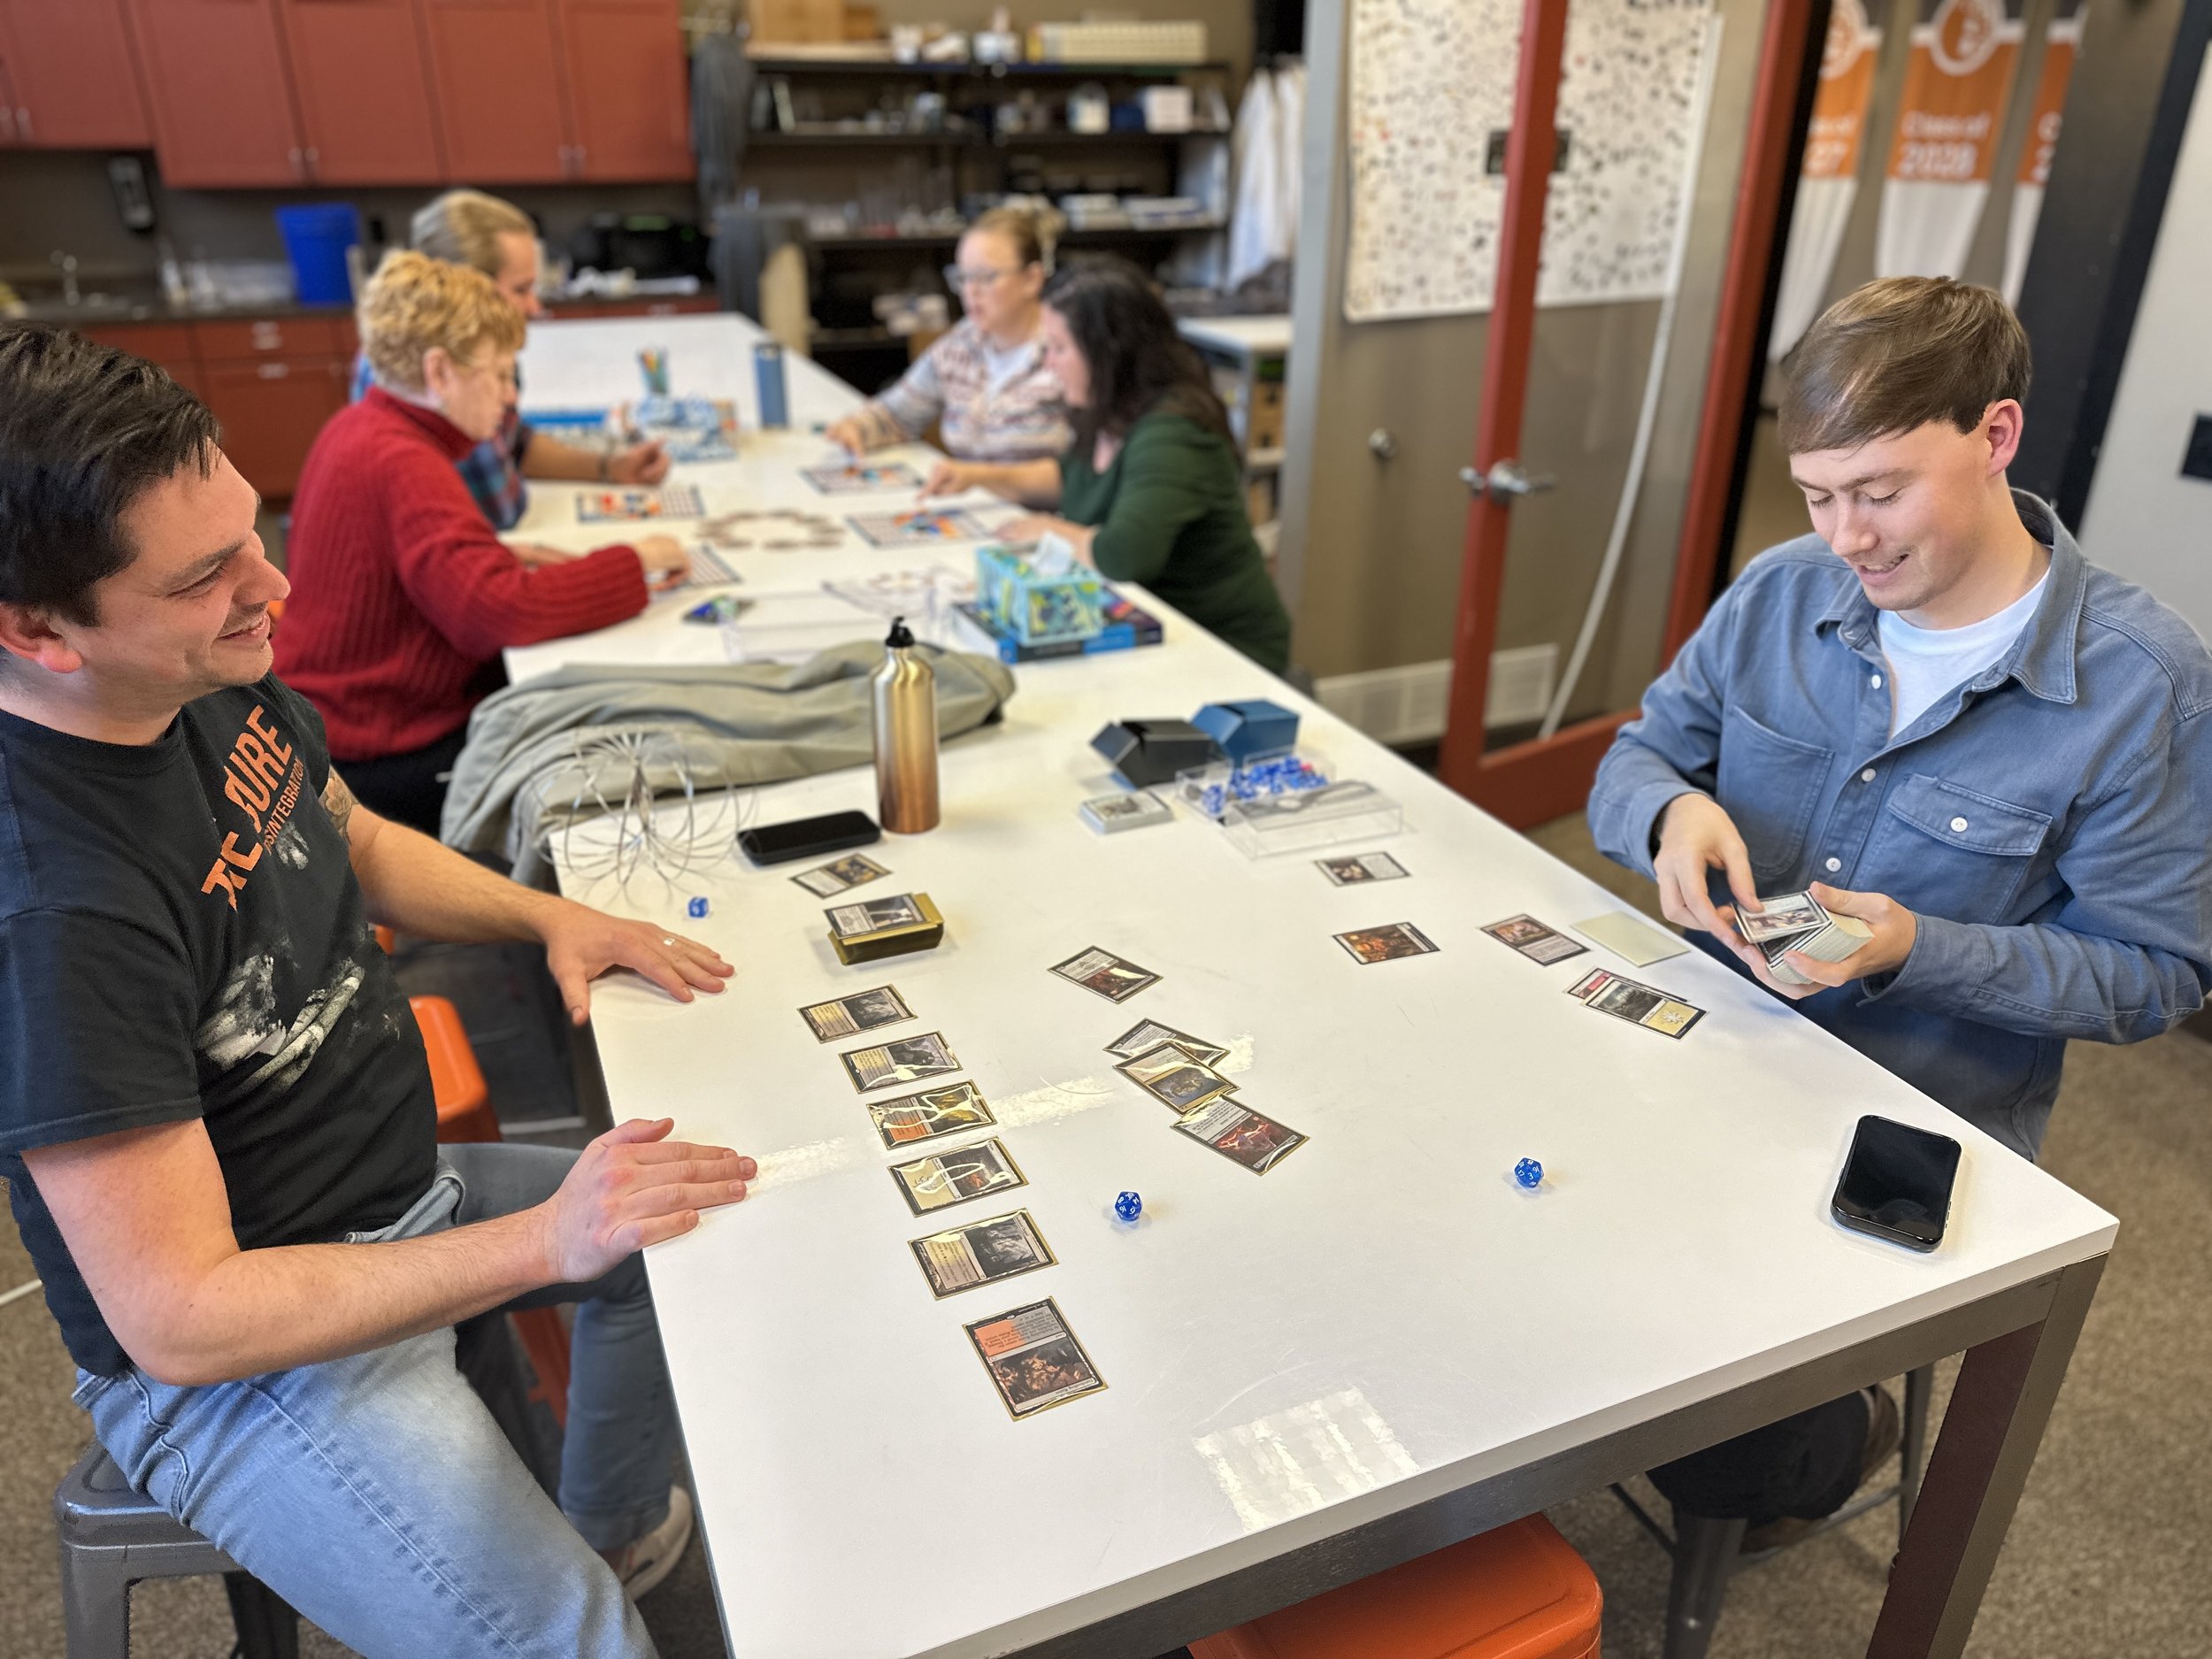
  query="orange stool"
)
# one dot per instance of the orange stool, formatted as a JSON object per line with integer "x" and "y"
{"x": 464, "y": 1113}
{"x": 1516, "y": 1591}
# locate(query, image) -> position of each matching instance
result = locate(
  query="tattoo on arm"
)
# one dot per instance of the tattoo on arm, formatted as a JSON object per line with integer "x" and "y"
{"x": 339, "y": 802}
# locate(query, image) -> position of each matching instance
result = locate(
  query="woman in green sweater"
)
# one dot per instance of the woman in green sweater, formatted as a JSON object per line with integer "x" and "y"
{"x": 1149, "y": 491}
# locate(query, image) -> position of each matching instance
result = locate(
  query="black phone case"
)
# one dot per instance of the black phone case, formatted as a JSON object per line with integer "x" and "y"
{"x": 830, "y": 841}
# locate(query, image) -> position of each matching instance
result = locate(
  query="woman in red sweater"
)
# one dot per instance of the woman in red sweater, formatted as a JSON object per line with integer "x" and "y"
{"x": 402, "y": 596}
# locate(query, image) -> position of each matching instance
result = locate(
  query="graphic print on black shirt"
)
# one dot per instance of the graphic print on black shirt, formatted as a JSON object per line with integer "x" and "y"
{"x": 181, "y": 936}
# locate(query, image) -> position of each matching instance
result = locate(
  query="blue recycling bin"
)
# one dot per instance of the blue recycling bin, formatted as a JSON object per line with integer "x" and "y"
{"x": 316, "y": 239}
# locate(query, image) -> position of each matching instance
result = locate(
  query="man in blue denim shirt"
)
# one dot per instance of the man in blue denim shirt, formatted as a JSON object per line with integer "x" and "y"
{"x": 1941, "y": 718}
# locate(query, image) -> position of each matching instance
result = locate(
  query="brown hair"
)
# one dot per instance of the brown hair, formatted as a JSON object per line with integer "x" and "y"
{"x": 1898, "y": 354}
{"x": 414, "y": 303}
{"x": 464, "y": 226}
{"x": 1033, "y": 231}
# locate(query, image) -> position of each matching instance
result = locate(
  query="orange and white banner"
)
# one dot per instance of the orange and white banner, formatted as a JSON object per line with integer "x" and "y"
{"x": 1828, "y": 182}
{"x": 1957, "y": 83}
{"x": 2061, "y": 45}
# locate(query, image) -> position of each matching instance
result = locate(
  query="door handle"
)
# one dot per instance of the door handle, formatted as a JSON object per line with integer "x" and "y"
{"x": 1383, "y": 444}
{"x": 1505, "y": 482}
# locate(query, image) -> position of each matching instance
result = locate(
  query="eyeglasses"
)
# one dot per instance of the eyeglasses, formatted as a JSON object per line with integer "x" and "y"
{"x": 956, "y": 279}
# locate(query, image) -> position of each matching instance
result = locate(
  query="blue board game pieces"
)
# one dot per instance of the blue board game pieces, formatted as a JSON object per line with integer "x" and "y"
{"x": 1129, "y": 1206}
{"x": 1529, "y": 1172}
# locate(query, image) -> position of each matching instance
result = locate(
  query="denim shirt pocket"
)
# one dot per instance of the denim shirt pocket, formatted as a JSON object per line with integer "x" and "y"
{"x": 1769, "y": 784}
{"x": 1958, "y": 852}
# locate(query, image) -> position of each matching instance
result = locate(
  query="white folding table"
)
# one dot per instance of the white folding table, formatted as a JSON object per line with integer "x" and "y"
{"x": 1381, "y": 1345}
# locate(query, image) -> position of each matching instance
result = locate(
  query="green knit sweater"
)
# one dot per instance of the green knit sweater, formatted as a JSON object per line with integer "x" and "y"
{"x": 1170, "y": 513}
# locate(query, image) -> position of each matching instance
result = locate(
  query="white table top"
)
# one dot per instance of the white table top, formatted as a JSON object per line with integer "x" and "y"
{"x": 1253, "y": 336}
{"x": 1381, "y": 1319}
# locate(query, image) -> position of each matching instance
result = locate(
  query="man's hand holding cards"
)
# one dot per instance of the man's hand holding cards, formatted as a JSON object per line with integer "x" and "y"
{"x": 1803, "y": 943}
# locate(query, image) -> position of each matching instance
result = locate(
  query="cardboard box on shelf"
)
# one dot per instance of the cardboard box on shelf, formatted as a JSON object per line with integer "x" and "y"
{"x": 803, "y": 22}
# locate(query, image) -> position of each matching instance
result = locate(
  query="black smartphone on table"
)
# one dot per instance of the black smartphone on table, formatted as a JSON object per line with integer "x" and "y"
{"x": 1897, "y": 1183}
{"x": 808, "y": 837}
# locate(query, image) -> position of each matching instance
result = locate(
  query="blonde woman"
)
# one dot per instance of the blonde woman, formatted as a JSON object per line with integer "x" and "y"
{"x": 986, "y": 383}
{"x": 402, "y": 596}
{"x": 471, "y": 228}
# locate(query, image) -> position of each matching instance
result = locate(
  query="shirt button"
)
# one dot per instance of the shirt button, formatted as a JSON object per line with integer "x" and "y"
{"x": 1957, "y": 824}
{"x": 1833, "y": 865}
{"x": 1876, "y": 682}
{"x": 1867, "y": 776}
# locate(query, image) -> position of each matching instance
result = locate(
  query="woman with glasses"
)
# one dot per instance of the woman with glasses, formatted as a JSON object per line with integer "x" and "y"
{"x": 985, "y": 382}
{"x": 1148, "y": 490}
{"x": 403, "y": 598}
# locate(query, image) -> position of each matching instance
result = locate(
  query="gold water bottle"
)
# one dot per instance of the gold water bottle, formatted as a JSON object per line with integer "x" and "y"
{"x": 906, "y": 736}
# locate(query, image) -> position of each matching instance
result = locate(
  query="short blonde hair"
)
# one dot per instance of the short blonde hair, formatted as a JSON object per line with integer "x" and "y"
{"x": 463, "y": 227}
{"x": 414, "y": 303}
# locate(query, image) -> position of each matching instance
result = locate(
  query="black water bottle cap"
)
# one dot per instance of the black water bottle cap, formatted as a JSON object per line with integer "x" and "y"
{"x": 899, "y": 635}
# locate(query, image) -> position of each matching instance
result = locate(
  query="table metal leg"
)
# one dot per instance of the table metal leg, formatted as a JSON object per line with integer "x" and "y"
{"x": 1990, "y": 1430}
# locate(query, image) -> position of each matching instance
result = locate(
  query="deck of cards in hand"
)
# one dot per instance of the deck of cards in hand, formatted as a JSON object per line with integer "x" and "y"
{"x": 1799, "y": 922}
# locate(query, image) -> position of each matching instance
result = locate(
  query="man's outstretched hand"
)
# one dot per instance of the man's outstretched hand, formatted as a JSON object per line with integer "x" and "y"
{"x": 631, "y": 1187}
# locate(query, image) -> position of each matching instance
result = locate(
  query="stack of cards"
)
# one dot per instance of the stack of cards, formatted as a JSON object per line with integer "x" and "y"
{"x": 1177, "y": 1070}
{"x": 1110, "y": 814}
{"x": 1799, "y": 922}
{"x": 1639, "y": 1004}
{"x": 1114, "y": 978}
{"x": 1533, "y": 940}
{"x": 871, "y": 928}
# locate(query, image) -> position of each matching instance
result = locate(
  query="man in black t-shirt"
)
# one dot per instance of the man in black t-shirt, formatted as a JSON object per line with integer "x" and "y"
{"x": 216, "y": 1119}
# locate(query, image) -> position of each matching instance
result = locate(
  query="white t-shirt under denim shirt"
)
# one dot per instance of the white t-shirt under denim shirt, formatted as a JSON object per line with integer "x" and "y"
{"x": 1927, "y": 663}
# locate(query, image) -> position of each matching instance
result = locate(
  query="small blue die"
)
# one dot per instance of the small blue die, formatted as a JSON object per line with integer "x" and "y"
{"x": 1129, "y": 1206}
{"x": 697, "y": 909}
{"x": 1529, "y": 1172}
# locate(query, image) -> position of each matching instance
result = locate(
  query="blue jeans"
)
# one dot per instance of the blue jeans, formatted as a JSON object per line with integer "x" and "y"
{"x": 376, "y": 1495}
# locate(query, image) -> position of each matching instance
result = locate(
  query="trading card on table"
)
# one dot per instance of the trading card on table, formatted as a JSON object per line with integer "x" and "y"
{"x": 827, "y": 880}
{"x": 1110, "y": 814}
{"x": 613, "y": 506}
{"x": 1034, "y": 1358}
{"x": 1640, "y": 1005}
{"x": 1371, "y": 945}
{"x": 902, "y": 1060}
{"x": 872, "y": 916}
{"x": 1149, "y": 1033}
{"x": 1591, "y": 983}
{"x": 925, "y": 527}
{"x": 981, "y": 1253}
{"x": 956, "y": 1175}
{"x": 1113, "y": 977}
{"x": 1360, "y": 867}
{"x": 1634, "y": 941}
{"x": 1239, "y": 1133}
{"x": 1534, "y": 940}
{"x": 1786, "y": 914}
{"x": 849, "y": 1016}
{"x": 1170, "y": 1076}
{"x": 858, "y": 478}
{"x": 944, "y": 1110}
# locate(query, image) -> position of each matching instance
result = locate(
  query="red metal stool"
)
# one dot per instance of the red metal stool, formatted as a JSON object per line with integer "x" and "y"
{"x": 1516, "y": 1591}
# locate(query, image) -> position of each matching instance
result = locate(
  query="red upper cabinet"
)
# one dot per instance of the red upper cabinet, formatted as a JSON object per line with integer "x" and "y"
{"x": 74, "y": 74}
{"x": 363, "y": 88}
{"x": 628, "y": 88}
{"x": 220, "y": 95}
{"x": 492, "y": 63}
